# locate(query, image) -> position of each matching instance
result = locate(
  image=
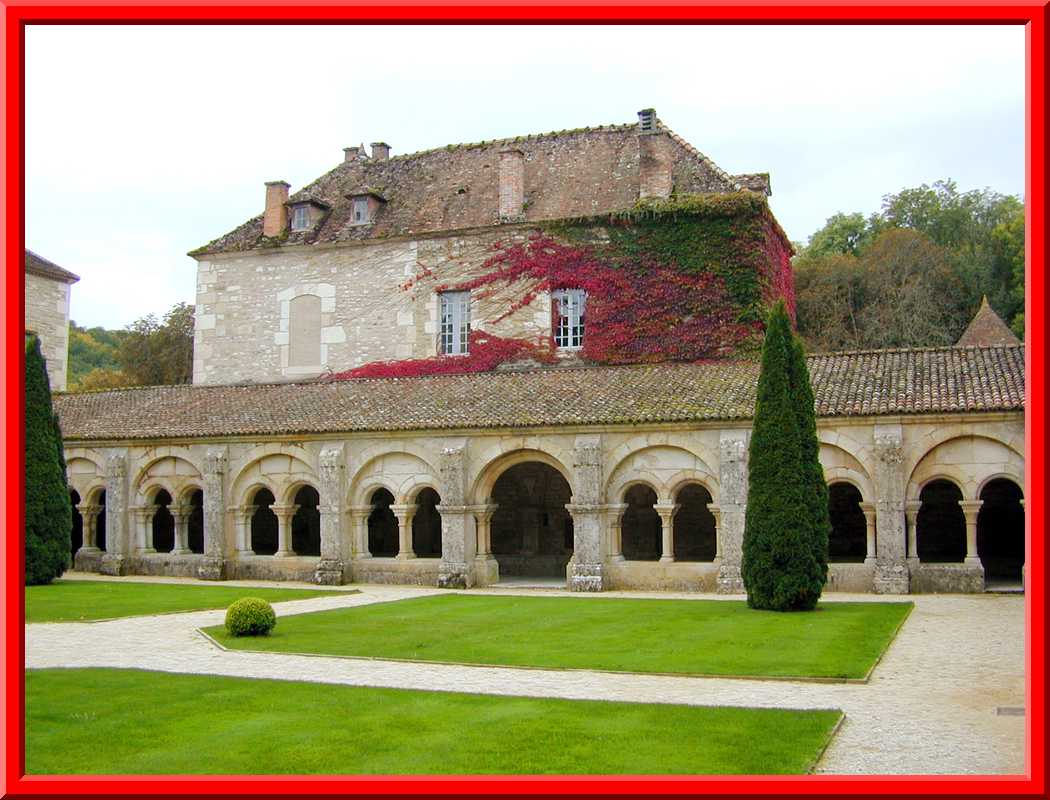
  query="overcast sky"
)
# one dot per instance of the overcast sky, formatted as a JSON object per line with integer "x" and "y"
{"x": 145, "y": 142}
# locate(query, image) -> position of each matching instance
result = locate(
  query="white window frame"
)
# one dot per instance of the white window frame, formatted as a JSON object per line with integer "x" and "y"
{"x": 359, "y": 203}
{"x": 569, "y": 307}
{"x": 454, "y": 323}
{"x": 300, "y": 218}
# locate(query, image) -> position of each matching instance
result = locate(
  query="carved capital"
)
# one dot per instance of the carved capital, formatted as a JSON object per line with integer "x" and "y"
{"x": 215, "y": 462}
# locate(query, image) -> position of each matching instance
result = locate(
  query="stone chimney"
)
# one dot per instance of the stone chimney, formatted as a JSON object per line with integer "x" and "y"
{"x": 380, "y": 151}
{"x": 654, "y": 157}
{"x": 275, "y": 218}
{"x": 511, "y": 183}
{"x": 352, "y": 153}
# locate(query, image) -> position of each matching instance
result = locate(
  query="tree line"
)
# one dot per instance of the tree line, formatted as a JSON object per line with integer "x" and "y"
{"x": 913, "y": 273}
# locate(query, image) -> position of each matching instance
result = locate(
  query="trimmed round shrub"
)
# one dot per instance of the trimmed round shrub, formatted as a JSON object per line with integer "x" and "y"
{"x": 250, "y": 616}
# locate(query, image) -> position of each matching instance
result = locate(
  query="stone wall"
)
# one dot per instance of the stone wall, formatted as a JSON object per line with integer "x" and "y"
{"x": 47, "y": 313}
{"x": 888, "y": 461}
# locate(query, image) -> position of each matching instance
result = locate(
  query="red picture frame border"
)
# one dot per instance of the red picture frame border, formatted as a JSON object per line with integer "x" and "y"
{"x": 17, "y": 14}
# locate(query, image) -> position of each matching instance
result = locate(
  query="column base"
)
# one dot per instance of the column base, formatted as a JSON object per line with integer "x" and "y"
{"x": 329, "y": 572}
{"x": 586, "y": 578}
{"x": 455, "y": 575}
{"x": 666, "y": 559}
{"x": 869, "y": 561}
{"x": 891, "y": 579}
{"x": 283, "y": 554}
{"x": 730, "y": 581}
{"x": 486, "y": 570}
{"x": 145, "y": 551}
{"x": 973, "y": 561}
{"x": 212, "y": 568}
{"x": 405, "y": 556}
{"x": 113, "y": 564}
{"x": 181, "y": 551}
{"x": 617, "y": 558}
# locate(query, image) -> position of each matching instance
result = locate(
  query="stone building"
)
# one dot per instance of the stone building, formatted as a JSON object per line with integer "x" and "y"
{"x": 598, "y": 476}
{"x": 47, "y": 313}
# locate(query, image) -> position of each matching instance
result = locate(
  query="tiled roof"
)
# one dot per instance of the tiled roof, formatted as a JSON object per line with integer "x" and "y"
{"x": 986, "y": 327}
{"x": 576, "y": 173}
{"x": 41, "y": 266}
{"x": 877, "y": 382}
{"x": 755, "y": 181}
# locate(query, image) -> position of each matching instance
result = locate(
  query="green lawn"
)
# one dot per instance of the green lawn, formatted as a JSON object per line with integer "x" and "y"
{"x": 71, "y": 601}
{"x": 707, "y": 637}
{"x": 129, "y": 721}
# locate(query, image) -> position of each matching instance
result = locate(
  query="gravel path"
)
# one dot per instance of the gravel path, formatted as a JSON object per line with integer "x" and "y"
{"x": 930, "y": 707}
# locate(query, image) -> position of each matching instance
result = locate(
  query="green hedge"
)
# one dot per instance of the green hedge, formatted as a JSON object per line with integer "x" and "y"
{"x": 250, "y": 616}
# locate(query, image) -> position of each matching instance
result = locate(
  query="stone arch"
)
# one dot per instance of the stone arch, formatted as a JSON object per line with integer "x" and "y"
{"x": 305, "y": 535}
{"x": 1001, "y": 530}
{"x": 426, "y": 523}
{"x": 641, "y": 530}
{"x": 275, "y": 466}
{"x": 400, "y": 472}
{"x": 940, "y": 522}
{"x": 481, "y": 490}
{"x": 969, "y": 461}
{"x": 666, "y": 466}
{"x": 383, "y": 528}
{"x": 694, "y": 529}
{"x": 262, "y": 530}
{"x": 85, "y": 471}
{"x": 848, "y": 541}
{"x": 162, "y": 530}
{"x": 1017, "y": 480}
{"x": 942, "y": 435}
{"x": 172, "y": 468}
{"x": 842, "y": 466}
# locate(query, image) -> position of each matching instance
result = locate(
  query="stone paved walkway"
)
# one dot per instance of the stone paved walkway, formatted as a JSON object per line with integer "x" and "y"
{"x": 930, "y": 707}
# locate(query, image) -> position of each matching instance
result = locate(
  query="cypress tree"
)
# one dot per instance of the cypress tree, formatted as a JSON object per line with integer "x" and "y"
{"x": 813, "y": 472}
{"x": 779, "y": 568}
{"x": 48, "y": 516}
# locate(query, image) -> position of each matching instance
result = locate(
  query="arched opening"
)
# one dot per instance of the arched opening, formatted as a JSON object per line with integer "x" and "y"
{"x": 382, "y": 525}
{"x": 640, "y": 531}
{"x": 694, "y": 525}
{"x": 941, "y": 524}
{"x": 76, "y": 532}
{"x": 426, "y": 525}
{"x": 163, "y": 523}
{"x": 306, "y": 524}
{"x": 100, "y": 522}
{"x": 531, "y": 530}
{"x": 264, "y": 524}
{"x": 195, "y": 523}
{"x": 1000, "y": 531}
{"x": 848, "y": 543}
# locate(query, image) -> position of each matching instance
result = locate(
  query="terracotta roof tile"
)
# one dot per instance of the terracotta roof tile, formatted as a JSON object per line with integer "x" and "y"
{"x": 865, "y": 383}
{"x": 41, "y": 266}
{"x": 986, "y": 327}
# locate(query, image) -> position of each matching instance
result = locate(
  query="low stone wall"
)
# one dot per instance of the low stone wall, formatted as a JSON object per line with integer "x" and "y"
{"x": 671, "y": 576}
{"x": 88, "y": 560}
{"x": 410, "y": 571}
{"x": 947, "y": 578}
{"x": 850, "y": 577}
{"x": 268, "y": 568}
{"x": 180, "y": 566}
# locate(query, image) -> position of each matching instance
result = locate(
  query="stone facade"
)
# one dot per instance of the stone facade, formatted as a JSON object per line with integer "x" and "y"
{"x": 47, "y": 314}
{"x": 890, "y": 463}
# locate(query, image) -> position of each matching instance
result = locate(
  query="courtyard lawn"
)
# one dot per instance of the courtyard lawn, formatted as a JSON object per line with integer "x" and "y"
{"x": 704, "y": 637}
{"x": 73, "y": 601}
{"x": 130, "y": 721}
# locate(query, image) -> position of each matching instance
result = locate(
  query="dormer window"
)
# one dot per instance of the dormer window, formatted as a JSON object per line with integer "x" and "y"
{"x": 300, "y": 217}
{"x": 360, "y": 212}
{"x": 365, "y": 203}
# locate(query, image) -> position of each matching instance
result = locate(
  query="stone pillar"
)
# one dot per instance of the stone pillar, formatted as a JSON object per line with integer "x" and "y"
{"x": 359, "y": 531}
{"x": 716, "y": 512}
{"x": 143, "y": 516}
{"x": 284, "y": 529}
{"x": 486, "y": 568}
{"x": 615, "y": 513}
{"x": 181, "y": 516}
{"x": 911, "y": 512}
{"x": 89, "y": 514}
{"x": 732, "y": 477}
{"x": 404, "y": 514}
{"x": 585, "y": 567}
{"x": 117, "y": 544}
{"x": 458, "y": 547}
{"x": 891, "y": 569}
{"x": 330, "y": 567}
{"x": 242, "y": 516}
{"x": 868, "y": 510}
{"x": 971, "y": 508}
{"x": 666, "y": 512}
{"x": 213, "y": 565}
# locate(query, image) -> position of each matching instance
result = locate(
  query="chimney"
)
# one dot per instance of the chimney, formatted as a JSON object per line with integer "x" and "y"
{"x": 275, "y": 218}
{"x": 380, "y": 151}
{"x": 654, "y": 157}
{"x": 352, "y": 153}
{"x": 511, "y": 183}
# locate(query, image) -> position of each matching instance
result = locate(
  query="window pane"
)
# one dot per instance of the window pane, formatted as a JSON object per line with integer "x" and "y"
{"x": 455, "y": 322}
{"x": 568, "y": 307}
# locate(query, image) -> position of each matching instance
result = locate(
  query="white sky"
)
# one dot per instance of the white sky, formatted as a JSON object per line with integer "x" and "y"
{"x": 145, "y": 142}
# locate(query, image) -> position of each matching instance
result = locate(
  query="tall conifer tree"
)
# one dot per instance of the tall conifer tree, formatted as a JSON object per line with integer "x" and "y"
{"x": 48, "y": 516}
{"x": 779, "y": 568}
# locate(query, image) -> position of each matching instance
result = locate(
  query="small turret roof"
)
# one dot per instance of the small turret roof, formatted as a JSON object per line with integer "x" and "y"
{"x": 986, "y": 328}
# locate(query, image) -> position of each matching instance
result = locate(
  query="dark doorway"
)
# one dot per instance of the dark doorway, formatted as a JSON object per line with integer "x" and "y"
{"x": 640, "y": 528}
{"x": 532, "y": 533}
{"x": 426, "y": 525}
{"x": 848, "y": 543}
{"x": 1000, "y": 531}
{"x": 306, "y": 524}
{"x": 694, "y": 525}
{"x": 382, "y": 526}
{"x": 163, "y": 523}
{"x": 941, "y": 524}
{"x": 264, "y": 524}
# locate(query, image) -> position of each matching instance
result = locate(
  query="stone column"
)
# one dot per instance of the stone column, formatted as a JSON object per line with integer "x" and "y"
{"x": 666, "y": 512}
{"x": 911, "y": 512}
{"x": 585, "y": 567}
{"x": 615, "y": 513}
{"x": 143, "y": 516}
{"x": 89, "y": 514}
{"x": 117, "y": 544}
{"x": 868, "y": 509}
{"x": 242, "y": 516}
{"x": 971, "y": 508}
{"x": 716, "y": 512}
{"x": 284, "y": 529}
{"x": 359, "y": 531}
{"x": 891, "y": 569}
{"x": 458, "y": 547}
{"x": 486, "y": 568}
{"x": 330, "y": 567}
{"x": 181, "y": 516}
{"x": 404, "y": 514}
{"x": 732, "y": 477}
{"x": 213, "y": 565}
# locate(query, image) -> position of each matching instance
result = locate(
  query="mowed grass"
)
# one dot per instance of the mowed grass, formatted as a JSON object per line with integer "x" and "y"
{"x": 129, "y": 722}
{"x": 705, "y": 637}
{"x": 72, "y": 601}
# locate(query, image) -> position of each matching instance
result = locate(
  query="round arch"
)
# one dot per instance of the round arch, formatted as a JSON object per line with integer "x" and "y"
{"x": 481, "y": 490}
{"x": 401, "y": 472}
